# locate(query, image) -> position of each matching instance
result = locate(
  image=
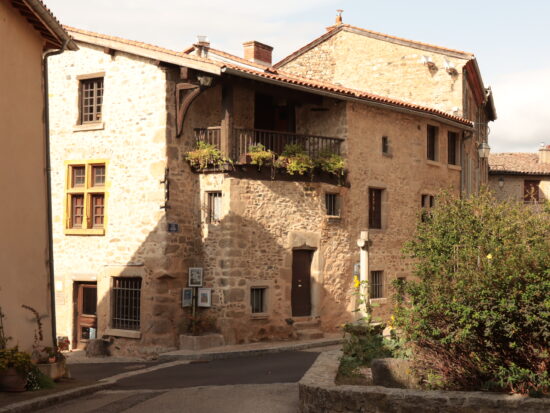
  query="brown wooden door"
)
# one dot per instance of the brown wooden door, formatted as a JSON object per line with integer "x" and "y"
{"x": 85, "y": 313}
{"x": 301, "y": 283}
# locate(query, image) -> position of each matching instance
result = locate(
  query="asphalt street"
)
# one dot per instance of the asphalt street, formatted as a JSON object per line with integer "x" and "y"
{"x": 264, "y": 383}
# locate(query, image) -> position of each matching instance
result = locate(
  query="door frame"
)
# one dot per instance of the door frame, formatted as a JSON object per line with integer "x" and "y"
{"x": 79, "y": 319}
{"x": 311, "y": 250}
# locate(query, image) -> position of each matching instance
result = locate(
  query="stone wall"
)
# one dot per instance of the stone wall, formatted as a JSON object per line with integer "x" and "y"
{"x": 319, "y": 393}
{"x": 385, "y": 68}
{"x": 132, "y": 141}
{"x": 513, "y": 186}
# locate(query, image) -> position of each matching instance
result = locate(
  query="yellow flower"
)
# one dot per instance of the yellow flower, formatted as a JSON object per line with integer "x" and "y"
{"x": 356, "y": 282}
{"x": 489, "y": 256}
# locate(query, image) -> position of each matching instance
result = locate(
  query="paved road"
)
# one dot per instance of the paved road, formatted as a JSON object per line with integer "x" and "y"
{"x": 265, "y": 384}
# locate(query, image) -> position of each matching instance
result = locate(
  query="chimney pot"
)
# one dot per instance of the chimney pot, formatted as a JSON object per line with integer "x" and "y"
{"x": 544, "y": 153}
{"x": 258, "y": 52}
{"x": 202, "y": 45}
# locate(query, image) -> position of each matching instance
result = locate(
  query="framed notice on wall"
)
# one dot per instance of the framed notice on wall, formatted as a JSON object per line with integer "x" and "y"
{"x": 186, "y": 297}
{"x": 195, "y": 277}
{"x": 204, "y": 297}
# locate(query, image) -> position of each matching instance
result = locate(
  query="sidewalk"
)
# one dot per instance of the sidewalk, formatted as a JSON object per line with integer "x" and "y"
{"x": 109, "y": 370}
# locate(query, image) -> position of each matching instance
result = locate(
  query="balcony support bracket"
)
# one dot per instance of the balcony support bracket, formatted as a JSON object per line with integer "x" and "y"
{"x": 185, "y": 95}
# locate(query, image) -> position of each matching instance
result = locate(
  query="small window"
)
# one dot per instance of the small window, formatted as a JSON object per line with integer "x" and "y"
{"x": 98, "y": 175}
{"x": 432, "y": 143}
{"x": 214, "y": 212}
{"x": 453, "y": 148}
{"x": 91, "y": 100}
{"x": 126, "y": 304}
{"x": 376, "y": 284}
{"x": 375, "y": 208}
{"x": 427, "y": 202}
{"x": 332, "y": 204}
{"x": 78, "y": 176}
{"x": 385, "y": 145}
{"x": 257, "y": 300}
{"x": 98, "y": 205}
{"x": 531, "y": 192}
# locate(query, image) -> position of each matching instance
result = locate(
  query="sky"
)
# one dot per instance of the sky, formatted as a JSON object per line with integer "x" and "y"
{"x": 511, "y": 39}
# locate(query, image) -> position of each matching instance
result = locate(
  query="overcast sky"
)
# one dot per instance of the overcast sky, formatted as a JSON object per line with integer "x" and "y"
{"x": 511, "y": 39}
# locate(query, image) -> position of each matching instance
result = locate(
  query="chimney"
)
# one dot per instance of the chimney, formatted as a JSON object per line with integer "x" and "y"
{"x": 258, "y": 52}
{"x": 202, "y": 46}
{"x": 544, "y": 153}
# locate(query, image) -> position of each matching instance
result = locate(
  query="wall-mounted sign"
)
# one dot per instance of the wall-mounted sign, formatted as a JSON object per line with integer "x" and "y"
{"x": 204, "y": 297}
{"x": 186, "y": 297}
{"x": 195, "y": 277}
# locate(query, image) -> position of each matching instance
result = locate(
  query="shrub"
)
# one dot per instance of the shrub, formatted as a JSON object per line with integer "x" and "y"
{"x": 295, "y": 160}
{"x": 364, "y": 342}
{"x": 260, "y": 155}
{"x": 331, "y": 163}
{"x": 478, "y": 315}
{"x": 205, "y": 155}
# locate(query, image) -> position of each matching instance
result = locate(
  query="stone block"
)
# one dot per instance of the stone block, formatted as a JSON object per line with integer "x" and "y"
{"x": 236, "y": 295}
{"x": 201, "y": 342}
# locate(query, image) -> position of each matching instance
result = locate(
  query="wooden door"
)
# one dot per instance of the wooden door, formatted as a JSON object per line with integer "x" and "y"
{"x": 85, "y": 313}
{"x": 301, "y": 283}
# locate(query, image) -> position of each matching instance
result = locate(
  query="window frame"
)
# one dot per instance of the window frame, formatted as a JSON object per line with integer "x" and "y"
{"x": 432, "y": 153}
{"x": 375, "y": 221}
{"x": 265, "y": 301}
{"x": 211, "y": 205}
{"x": 97, "y": 106}
{"x": 113, "y": 303}
{"x": 385, "y": 143}
{"x": 88, "y": 192}
{"x": 336, "y": 205}
{"x": 452, "y": 135}
{"x": 531, "y": 198}
{"x": 380, "y": 286}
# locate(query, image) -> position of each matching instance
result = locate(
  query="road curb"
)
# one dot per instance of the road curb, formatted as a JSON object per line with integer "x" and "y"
{"x": 251, "y": 352}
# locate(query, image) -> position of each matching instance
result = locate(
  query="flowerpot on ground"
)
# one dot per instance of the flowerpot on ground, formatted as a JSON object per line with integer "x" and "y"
{"x": 55, "y": 371}
{"x": 12, "y": 381}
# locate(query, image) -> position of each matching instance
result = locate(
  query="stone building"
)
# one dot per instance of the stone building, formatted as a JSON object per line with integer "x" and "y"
{"x": 277, "y": 250}
{"x": 523, "y": 177}
{"x": 27, "y": 31}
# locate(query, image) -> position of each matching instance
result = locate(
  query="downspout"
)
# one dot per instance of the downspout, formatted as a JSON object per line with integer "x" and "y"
{"x": 49, "y": 184}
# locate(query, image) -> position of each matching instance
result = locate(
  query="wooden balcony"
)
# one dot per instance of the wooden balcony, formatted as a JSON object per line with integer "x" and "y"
{"x": 239, "y": 140}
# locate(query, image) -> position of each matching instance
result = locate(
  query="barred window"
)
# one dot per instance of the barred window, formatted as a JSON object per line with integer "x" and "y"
{"x": 214, "y": 206}
{"x": 91, "y": 100}
{"x": 332, "y": 204}
{"x": 257, "y": 299}
{"x": 126, "y": 305}
{"x": 376, "y": 284}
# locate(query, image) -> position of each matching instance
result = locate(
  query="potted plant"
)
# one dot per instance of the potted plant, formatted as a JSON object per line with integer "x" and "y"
{"x": 205, "y": 155}
{"x": 258, "y": 155}
{"x": 15, "y": 365}
{"x": 295, "y": 159}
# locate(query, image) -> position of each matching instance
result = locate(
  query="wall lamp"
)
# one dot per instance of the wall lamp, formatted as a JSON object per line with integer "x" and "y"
{"x": 484, "y": 150}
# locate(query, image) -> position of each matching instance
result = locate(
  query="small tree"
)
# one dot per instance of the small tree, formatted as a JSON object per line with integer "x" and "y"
{"x": 478, "y": 315}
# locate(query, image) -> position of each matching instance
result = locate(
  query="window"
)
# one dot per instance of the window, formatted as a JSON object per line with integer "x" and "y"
{"x": 453, "y": 148}
{"x": 214, "y": 211}
{"x": 86, "y": 198}
{"x": 427, "y": 202}
{"x": 332, "y": 204}
{"x": 258, "y": 300}
{"x": 531, "y": 191}
{"x": 126, "y": 304}
{"x": 375, "y": 208}
{"x": 432, "y": 143}
{"x": 385, "y": 145}
{"x": 376, "y": 284}
{"x": 91, "y": 100}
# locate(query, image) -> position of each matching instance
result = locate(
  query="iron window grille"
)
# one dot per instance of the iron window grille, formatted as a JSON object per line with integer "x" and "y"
{"x": 376, "y": 284}
{"x": 332, "y": 204}
{"x": 91, "y": 100}
{"x": 214, "y": 206}
{"x": 257, "y": 300}
{"x": 432, "y": 143}
{"x": 126, "y": 303}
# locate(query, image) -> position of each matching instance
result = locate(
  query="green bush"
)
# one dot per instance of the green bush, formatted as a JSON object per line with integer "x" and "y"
{"x": 295, "y": 159}
{"x": 205, "y": 155}
{"x": 260, "y": 155}
{"x": 331, "y": 163}
{"x": 478, "y": 315}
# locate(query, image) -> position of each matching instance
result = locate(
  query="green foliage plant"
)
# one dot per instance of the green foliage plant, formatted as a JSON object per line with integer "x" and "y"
{"x": 295, "y": 160}
{"x": 205, "y": 155}
{"x": 478, "y": 314}
{"x": 260, "y": 155}
{"x": 13, "y": 358}
{"x": 3, "y": 337}
{"x": 331, "y": 163}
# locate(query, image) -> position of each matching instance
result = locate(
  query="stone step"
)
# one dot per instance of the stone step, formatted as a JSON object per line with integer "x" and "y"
{"x": 306, "y": 325}
{"x": 311, "y": 334}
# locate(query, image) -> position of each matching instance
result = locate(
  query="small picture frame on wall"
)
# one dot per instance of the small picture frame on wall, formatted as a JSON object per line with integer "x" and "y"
{"x": 204, "y": 297}
{"x": 186, "y": 297}
{"x": 195, "y": 277}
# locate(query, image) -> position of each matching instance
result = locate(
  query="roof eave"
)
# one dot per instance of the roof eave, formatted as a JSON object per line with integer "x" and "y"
{"x": 45, "y": 16}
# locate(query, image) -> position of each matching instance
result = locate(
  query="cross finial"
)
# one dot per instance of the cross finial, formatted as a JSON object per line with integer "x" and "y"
{"x": 339, "y": 16}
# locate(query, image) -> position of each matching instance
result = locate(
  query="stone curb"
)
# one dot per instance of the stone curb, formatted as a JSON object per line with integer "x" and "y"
{"x": 319, "y": 393}
{"x": 251, "y": 352}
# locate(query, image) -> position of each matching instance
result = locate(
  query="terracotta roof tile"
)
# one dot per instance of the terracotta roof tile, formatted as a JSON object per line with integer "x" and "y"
{"x": 517, "y": 163}
{"x": 235, "y": 58}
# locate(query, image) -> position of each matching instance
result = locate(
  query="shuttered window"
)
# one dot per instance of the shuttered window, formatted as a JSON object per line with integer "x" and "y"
{"x": 375, "y": 208}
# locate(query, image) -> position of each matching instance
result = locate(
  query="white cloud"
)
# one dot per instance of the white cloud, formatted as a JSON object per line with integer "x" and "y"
{"x": 523, "y": 108}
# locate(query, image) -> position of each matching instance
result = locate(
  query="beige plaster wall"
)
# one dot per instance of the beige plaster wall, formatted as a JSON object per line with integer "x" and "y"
{"x": 24, "y": 275}
{"x": 389, "y": 69}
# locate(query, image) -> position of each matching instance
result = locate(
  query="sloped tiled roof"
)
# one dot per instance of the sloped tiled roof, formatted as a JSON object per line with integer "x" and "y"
{"x": 234, "y": 58}
{"x": 346, "y": 27}
{"x": 517, "y": 163}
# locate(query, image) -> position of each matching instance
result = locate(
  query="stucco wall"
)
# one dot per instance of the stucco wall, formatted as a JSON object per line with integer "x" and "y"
{"x": 24, "y": 277}
{"x": 384, "y": 68}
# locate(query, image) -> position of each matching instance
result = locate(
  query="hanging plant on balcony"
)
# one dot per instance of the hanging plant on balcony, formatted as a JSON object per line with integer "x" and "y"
{"x": 260, "y": 156}
{"x": 205, "y": 155}
{"x": 331, "y": 163}
{"x": 295, "y": 159}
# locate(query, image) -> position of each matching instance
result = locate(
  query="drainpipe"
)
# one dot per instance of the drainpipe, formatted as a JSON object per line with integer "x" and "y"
{"x": 49, "y": 183}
